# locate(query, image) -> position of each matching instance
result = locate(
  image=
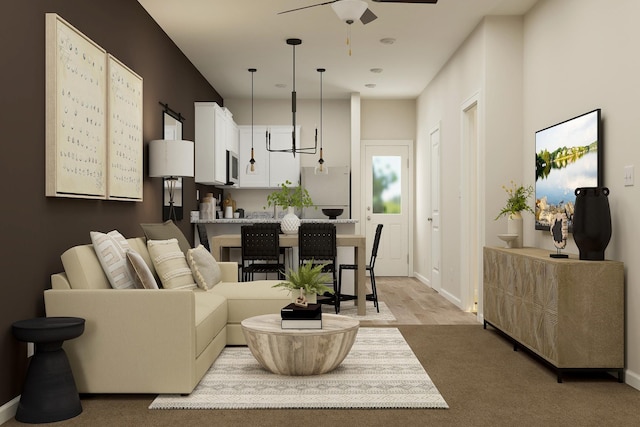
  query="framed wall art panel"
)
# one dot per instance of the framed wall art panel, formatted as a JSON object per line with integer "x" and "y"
{"x": 125, "y": 147}
{"x": 76, "y": 102}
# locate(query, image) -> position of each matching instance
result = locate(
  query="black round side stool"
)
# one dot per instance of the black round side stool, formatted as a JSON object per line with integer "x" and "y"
{"x": 49, "y": 393}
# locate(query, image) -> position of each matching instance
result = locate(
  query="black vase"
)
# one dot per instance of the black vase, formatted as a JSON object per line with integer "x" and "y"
{"x": 592, "y": 222}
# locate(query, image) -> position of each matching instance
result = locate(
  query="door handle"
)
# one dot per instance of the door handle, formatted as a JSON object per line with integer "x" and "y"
{"x": 429, "y": 219}
{"x": 368, "y": 218}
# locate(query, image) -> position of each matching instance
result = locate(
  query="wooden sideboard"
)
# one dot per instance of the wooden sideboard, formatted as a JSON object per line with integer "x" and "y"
{"x": 567, "y": 311}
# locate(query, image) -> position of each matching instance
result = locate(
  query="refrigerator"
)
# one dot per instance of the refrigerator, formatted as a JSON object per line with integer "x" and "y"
{"x": 327, "y": 191}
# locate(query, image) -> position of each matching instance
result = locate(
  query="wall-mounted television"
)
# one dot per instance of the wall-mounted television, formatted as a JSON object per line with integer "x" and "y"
{"x": 568, "y": 156}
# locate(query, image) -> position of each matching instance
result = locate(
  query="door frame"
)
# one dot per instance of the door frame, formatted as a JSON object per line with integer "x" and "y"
{"x": 410, "y": 190}
{"x": 472, "y": 205}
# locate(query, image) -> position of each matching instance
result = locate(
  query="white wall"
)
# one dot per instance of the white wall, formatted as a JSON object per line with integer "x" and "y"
{"x": 487, "y": 67}
{"x": 567, "y": 57}
{"x": 580, "y": 55}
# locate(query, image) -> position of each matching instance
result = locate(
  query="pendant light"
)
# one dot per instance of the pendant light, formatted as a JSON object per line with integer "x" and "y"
{"x": 321, "y": 169}
{"x": 294, "y": 147}
{"x": 252, "y": 169}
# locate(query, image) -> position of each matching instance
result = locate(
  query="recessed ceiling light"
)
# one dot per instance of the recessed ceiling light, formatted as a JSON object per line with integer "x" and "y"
{"x": 281, "y": 85}
{"x": 376, "y": 70}
{"x": 388, "y": 40}
{"x": 370, "y": 85}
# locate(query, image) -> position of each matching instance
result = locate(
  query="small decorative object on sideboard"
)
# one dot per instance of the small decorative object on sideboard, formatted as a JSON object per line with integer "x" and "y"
{"x": 517, "y": 201}
{"x": 508, "y": 239}
{"x": 592, "y": 222}
{"x": 559, "y": 231}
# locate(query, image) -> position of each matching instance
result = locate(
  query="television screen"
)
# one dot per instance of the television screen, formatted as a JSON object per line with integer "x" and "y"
{"x": 568, "y": 156}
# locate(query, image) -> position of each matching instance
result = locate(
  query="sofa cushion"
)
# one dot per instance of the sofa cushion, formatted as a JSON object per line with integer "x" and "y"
{"x": 165, "y": 231}
{"x": 142, "y": 273}
{"x": 170, "y": 264}
{"x": 204, "y": 267}
{"x": 110, "y": 249}
{"x": 83, "y": 268}
{"x": 247, "y": 299}
{"x": 211, "y": 317}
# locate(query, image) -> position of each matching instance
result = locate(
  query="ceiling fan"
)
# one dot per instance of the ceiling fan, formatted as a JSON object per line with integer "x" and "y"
{"x": 351, "y": 10}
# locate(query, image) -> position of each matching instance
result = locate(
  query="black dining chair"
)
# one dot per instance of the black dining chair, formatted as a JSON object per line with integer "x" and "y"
{"x": 261, "y": 250}
{"x": 373, "y": 296}
{"x": 317, "y": 244}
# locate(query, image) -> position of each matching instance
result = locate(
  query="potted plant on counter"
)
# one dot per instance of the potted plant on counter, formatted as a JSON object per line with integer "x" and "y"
{"x": 291, "y": 198}
{"x": 307, "y": 283}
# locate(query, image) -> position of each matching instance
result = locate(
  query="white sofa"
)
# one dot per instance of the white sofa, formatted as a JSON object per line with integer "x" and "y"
{"x": 151, "y": 340}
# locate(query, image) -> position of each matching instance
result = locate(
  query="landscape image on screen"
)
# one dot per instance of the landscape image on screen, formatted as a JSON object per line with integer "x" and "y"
{"x": 566, "y": 159}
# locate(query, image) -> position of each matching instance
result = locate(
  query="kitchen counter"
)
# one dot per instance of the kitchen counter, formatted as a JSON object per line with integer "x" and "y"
{"x": 241, "y": 221}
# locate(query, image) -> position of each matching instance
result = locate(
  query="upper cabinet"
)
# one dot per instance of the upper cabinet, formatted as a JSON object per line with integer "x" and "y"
{"x": 272, "y": 169}
{"x": 215, "y": 134}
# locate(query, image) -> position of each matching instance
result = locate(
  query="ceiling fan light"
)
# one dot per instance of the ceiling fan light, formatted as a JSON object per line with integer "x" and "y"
{"x": 349, "y": 10}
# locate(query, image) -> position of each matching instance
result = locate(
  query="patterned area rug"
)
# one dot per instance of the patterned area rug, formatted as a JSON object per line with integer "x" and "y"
{"x": 349, "y": 308}
{"x": 381, "y": 371}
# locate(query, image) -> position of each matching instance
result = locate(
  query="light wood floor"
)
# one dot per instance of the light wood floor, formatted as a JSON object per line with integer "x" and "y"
{"x": 414, "y": 303}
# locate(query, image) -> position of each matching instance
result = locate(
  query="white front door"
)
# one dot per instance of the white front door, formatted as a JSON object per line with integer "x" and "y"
{"x": 436, "y": 263}
{"x": 387, "y": 202}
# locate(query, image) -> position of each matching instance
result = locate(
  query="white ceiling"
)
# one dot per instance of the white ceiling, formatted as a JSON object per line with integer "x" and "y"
{"x": 223, "y": 38}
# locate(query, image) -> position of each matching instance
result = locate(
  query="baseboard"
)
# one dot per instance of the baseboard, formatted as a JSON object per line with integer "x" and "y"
{"x": 452, "y": 298}
{"x": 9, "y": 409}
{"x": 422, "y": 279}
{"x": 632, "y": 378}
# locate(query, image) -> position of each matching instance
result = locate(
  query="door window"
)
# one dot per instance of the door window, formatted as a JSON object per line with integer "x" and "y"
{"x": 387, "y": 184}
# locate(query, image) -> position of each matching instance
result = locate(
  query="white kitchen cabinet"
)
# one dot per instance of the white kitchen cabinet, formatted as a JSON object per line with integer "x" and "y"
{"x": 273, "y": 168}
{"x": 215, "y": 133}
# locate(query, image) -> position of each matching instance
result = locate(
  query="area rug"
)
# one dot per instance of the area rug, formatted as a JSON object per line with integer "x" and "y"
{"x": 349, "y": 309}
{"x": 381, "y": 371}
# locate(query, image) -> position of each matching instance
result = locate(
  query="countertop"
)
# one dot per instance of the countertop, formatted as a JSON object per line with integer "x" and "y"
{"x": 269, "y": 220}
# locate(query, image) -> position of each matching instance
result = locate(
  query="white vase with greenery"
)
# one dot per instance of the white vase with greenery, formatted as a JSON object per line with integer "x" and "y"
{"x": 307, "y": 282}
{"x": 291, "y": 198}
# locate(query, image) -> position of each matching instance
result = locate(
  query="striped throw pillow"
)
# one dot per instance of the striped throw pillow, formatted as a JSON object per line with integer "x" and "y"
{"x": 170, "y": 264}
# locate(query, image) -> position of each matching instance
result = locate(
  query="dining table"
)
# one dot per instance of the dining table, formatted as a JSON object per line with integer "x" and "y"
{"x": 221, "y": 244}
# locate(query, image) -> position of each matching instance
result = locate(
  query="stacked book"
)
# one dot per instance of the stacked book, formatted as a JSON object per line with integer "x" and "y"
{"x": 296, "y": 317}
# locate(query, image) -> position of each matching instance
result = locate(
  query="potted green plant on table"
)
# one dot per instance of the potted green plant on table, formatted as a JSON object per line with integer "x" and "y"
{"x": 290, "y": 198}
{"x": 517, "y": 202}
{"x": 306, "y": 283}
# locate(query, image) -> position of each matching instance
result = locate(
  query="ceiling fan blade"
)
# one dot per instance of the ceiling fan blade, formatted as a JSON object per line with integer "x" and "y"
{"x": 368, "y": 16}
{"x": 408, "y": 1}
{"x": 307, "y": 7}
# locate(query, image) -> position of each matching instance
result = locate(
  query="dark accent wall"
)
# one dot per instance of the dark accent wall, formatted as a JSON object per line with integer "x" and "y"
{"x": 37, "y": 229}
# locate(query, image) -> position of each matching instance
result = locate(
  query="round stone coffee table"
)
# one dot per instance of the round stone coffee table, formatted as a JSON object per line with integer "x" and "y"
{"x": 300, "y": 351}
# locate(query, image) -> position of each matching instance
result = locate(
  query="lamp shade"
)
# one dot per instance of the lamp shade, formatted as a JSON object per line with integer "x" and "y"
{"x": 170, "y": 158}
{"x": 349, "y": 10}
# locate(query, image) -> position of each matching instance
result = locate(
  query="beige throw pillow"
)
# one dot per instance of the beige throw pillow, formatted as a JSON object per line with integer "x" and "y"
{"x": 142, "y": 273}
{"x": 111, "y": 249}
{"x": 204, "y": 267}
{"x": 165, "y": 231}
{"x": 170, "y": 264}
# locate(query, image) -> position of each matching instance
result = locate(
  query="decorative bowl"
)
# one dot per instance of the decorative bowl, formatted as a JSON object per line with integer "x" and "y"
{"x": 332, "y": 213}
{"x": 507, "y": 238}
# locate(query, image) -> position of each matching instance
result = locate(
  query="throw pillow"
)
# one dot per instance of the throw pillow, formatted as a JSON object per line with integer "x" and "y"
{"x": 204, "y": 267}
{"x": 142, "y": 273}
{"x": 170, "y": 264}
{"x": 165, "y": 231}
{"x": 111, "y": 249}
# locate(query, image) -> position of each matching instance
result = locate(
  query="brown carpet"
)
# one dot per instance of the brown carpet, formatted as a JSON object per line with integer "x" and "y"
{"x": 482, "y": 379}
